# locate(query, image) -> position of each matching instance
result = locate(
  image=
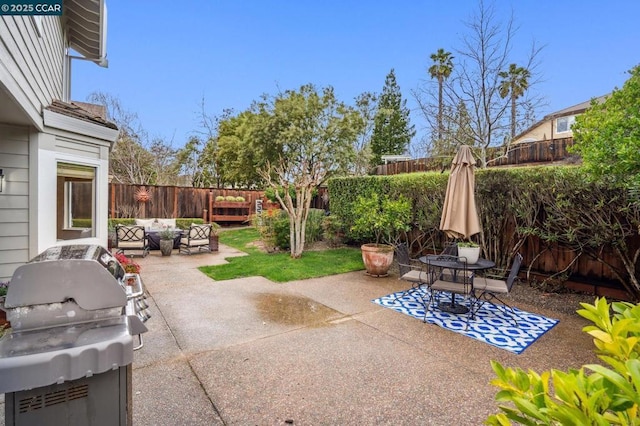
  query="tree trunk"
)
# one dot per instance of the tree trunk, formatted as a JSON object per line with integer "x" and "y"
{"x": 440, "y": 128}
{"x": 513, "y": 117}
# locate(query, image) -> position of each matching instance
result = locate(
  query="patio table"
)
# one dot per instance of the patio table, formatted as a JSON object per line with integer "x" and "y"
{"x": 154, "y": 238}
{"x": 447, "y": 263}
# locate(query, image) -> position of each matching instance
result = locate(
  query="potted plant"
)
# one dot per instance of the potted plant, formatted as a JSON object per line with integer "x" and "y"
{"x": 214, "y": 237}
{"x": 129, "y": 266}
{"x": 4, "y": 286}
{"x": 166, "y": 241}
{"x": 469, "y": 250}
{"x": 386, "y": 219}
{"x": 111, "y": 235}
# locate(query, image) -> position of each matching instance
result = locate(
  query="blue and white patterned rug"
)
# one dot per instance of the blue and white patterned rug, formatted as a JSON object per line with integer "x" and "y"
{"x": 491, "y": 325}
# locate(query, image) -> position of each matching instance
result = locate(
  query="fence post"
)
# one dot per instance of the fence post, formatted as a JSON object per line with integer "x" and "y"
{"x": 210, "y": 205}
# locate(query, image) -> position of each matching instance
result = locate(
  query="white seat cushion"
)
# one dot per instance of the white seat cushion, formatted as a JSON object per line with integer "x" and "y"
{"x": 193, "y": 243}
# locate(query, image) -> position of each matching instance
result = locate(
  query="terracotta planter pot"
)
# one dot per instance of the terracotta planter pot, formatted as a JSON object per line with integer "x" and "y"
{"x": 377, "y": 259}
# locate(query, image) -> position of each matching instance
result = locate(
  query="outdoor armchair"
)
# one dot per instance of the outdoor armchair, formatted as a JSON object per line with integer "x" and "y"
{"x": 196, "y": 238}
{"x": 132, "y": 237}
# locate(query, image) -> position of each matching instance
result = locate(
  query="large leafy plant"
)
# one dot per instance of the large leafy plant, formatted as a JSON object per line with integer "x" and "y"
{"x": 384, "y": 218}
{"x": 594, "y": 394}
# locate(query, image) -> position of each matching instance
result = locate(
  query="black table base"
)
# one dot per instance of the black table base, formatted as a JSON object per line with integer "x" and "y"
{"x": 452, "y": 307}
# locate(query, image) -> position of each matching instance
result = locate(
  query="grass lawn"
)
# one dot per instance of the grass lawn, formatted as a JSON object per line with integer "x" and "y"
{"x": 280, "y": 267}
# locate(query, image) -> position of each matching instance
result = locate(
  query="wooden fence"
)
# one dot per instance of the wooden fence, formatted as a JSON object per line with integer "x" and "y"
{"x": 181, "y": 202}
{"x": 538, "y": 152}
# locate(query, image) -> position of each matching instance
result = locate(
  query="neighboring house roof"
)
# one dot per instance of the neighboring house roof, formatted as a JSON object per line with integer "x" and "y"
{"x": 576, "y": 109}
{"x": 572, "y": 110}
{"x": 86, "y": 21}
{"x": 92, "y": 113}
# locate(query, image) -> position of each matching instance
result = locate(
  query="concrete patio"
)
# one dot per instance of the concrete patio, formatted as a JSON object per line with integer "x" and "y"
{"x": 313, "y": 352}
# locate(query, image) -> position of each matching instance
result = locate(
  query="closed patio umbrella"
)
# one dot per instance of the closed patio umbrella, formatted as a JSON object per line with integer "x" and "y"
{"x": 459, "y": 214}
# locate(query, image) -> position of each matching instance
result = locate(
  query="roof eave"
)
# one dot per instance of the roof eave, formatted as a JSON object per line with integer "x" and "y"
{"x": 86, "y": 24}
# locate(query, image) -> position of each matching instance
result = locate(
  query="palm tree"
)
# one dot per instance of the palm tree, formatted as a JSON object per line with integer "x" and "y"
{"x": 515, "y": 82}
{"x": 441, "y": 69}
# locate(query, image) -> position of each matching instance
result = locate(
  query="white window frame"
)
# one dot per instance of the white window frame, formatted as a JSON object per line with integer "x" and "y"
{"x": 570, "y": 119}
{"x": 68, "y": 200}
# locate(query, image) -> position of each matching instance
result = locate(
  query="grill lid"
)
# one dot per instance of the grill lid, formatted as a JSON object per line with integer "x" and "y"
{"x": 87, "y": 274}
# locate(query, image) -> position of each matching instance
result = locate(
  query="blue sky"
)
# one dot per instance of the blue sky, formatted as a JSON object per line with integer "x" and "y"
{"x": 165, "y": 57}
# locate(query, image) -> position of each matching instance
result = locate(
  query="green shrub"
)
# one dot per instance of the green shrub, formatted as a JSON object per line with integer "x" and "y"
{"x": 219, "y": 197}
{"x": 121, "y": 221}
{"x": 239, "y": 199}
{"x": 82, "y": 223}
{"x": 281, "y": 228}
{"x": 332, "y": 230}
{"x": 313, "y": 230}
{"x": 384, "y": 218}
{"x": 185, "y": 222}
{"x": 230, "y": 198}
{"x": 273, "y": 227}
{"x": 605, "y": 396}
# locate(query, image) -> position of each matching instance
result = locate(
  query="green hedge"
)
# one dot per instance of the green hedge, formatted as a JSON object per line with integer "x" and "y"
{"x": 82, "y": 223}
{"x": 557, "y": 204}
{"x": 181, "y": 223}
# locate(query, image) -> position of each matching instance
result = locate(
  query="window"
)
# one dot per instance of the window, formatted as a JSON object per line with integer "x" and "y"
{"x": 563, "y": 124}
{"x": 76, "y": 201}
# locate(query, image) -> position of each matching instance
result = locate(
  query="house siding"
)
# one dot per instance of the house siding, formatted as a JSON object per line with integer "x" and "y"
{"x": 75, "y": 147}
{"x": 34, "y": 63}
{"x": 14, "y": 199}
{"x": 541, "y": 132}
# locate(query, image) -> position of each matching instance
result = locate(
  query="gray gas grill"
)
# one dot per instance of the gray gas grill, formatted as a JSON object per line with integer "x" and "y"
{"x": 67, "y": 359}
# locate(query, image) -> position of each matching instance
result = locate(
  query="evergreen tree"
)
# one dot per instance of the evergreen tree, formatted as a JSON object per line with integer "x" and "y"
{"x": 392, "y": 131}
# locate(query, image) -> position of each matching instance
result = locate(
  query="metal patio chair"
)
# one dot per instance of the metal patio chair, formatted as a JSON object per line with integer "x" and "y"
{"x": 488, "y": 289}
{"x": 131, "y": 237}
{"x": 196, "y": 238}
{"x": 411, "y": 270}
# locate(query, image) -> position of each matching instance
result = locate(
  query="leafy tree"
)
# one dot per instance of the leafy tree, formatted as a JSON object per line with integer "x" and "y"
{"x": 197, "y": 165}
{"x": 514, "y": 83}
{"x": 392, "y": 131}
{"x": 441, "y": 70}
{"x": 366, "y": 105}
{"x": 246, "y": 143}
{"x": 315, "y": 134}
{"x": 607, "y": 135}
